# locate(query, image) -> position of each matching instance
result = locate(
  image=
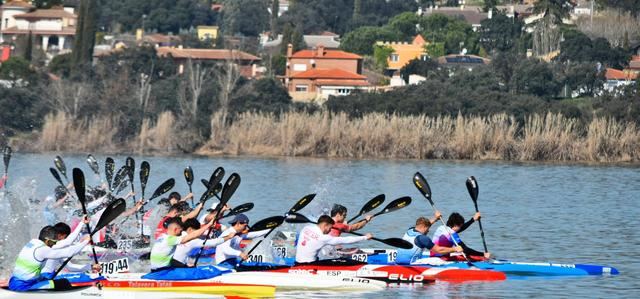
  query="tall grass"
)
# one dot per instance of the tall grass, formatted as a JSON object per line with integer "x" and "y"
{"x": 550, "y": 137}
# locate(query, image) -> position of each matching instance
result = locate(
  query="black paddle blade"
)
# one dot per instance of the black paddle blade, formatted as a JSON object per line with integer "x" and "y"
{"x": 297, "y": 218}
{"x": 123, "y": 174}
{"x": 109, "y": 168}
{"x": 6, "y": 157}
{"x": 60, "y": 165}
{"x": 472, "y": 187}
{"x": 243, "y": 208}
{"x": 145, "y": 169}
{"x": 163, "y": 188}
{"x": 123, "y": 185}
{"x": 230, "y": 187}
{"x": 396, "y": 205}
{"x": 267, "y": 223}
{"x": 396, "y": 242}
{"x": 93, "y": 164}
{"x": 303, "y": 202}
{"x": 205, "y": 183}
{"x": 188, "y": 175}
{"x": 79, "y": 185}
{"x": 369, "y": 206}
{"x": 421, "y": 183}
{"x": 217, "y": 188}
{"x": 131, "y": 164}
{"x": 111, "y": 212}
{"x": 216, "y": 176}
{"x": 55, "y": 174}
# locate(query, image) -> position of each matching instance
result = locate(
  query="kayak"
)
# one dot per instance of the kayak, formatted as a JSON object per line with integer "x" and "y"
{"x": 92, "y": 292}
{"x": 386, "y": 273}
{"x": 281, "y": 281}
{"x": 387, "y": 257}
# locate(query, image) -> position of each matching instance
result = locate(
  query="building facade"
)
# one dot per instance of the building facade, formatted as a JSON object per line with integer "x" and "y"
{"x": 404, "y": 52}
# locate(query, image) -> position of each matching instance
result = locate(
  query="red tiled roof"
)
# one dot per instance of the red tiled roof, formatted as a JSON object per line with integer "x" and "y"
{"x": 613, "y": 74}
{"x": 328, "y": 74}
{"x": 342, "y": 83}
{"x": 206, "y": 54}
{"x": 17, "y": 4}
{"x": 327, "y": 54}
{"x": 46, "y": 14}
{"x": 418, "y": 40}
{"x": 67, "y": 30}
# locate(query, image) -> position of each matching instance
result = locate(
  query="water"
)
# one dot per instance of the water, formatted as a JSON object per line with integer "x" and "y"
{"x": 531, "y": 212}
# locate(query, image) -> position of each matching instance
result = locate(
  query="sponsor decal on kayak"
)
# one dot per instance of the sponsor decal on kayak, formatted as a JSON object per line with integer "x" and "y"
{"x": 403, "y": 277}
{"x": 371, "y": 273}
{"x": 361, "y": 257}
{"x": 115, "y": 266}
{"x": 303, "y": 271}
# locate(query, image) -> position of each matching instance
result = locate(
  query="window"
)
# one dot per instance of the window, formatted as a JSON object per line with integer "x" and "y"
{"x": 299, "y": 67}
{"x": 395, "y": 57}
{"x": 424, "y": 57}
{"x": 344, "y": 91}
{"x": 302, "y": 88}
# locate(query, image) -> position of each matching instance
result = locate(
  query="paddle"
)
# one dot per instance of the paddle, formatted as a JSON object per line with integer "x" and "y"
{"x": 121, "y": 175}
{"x": 131, "y": 164}
{"x": 369, "y": 206}
{"x": 93, "y": 164}
{"x": 145, "y": 169}
{"x": 216, "y": 176}
{"x": 395, "y": 205}
{"x": 394, "y": 242}
{"x": 230, "y": 187}
{"x": 205, "y": 183}
{"x": 210, "y": 193}
{"x": 188, "y": 176}
{"x": 6, "y": 158}
{"x": 472, "y": 187}
{"x": 243, "y": 208}
{"x": 421, "y": 183}
{"x": 111, "y": 212}
{"x": 123, "y": 186}
{"x": 162, "y": 189}
{"x": 300, "y": 204}
{"x": 268, "y": 223}
{"x": 56, "y": 176}
{"x": 109, "y": 168}
{"x": 61, "y": 167}
{"x": 79, "y": 185}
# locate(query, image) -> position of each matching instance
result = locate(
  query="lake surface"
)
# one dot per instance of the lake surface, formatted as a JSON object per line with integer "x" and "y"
{"x": 531, "y": 212}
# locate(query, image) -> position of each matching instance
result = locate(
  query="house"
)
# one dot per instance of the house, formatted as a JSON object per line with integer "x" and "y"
{"x": 472, "y": 15}
{"x": 247, "y": 63}
{"x": 158, "y": 40}
{"x": 618, "y": 78}
{"x": 52, "y": 29}
{"x": 316, "y": 74}
{"x": 462, "y": 61}
{"x": 326, "y": 39}
{"x": 207, "y": 33}
{"x": 404, "y": 52}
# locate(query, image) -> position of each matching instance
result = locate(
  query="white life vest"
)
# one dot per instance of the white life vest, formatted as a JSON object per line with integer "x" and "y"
{"x": 27, "y": 266}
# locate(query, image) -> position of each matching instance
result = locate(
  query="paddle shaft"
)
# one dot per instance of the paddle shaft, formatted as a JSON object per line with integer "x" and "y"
{"x": 484, "y": 243}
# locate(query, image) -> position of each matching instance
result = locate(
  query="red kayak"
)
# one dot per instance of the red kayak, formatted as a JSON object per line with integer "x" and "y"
{"x": 386, "y": 273}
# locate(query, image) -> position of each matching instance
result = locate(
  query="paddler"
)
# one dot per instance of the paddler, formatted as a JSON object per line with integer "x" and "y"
{"x": 34, "y": 255}
{"x": 66, "y": 238}
{"x": 417, "y": 236}
{"x": 339, "y": 216}
{"x": 165, "y": 247}
{"x": 2, "y": 180}
{"x": 445, "y": 235}
{"x": 181, "y": 210}
{"x": 228, "y": 253}
{"x": 182, "y": 251}
{"x": 315, "y": 236}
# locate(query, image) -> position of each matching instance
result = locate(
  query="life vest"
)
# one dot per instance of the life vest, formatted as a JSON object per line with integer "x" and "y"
{"x": 444, "y": 237}
{"x": 406, "y": 256}
{"x": 27, "y": 266}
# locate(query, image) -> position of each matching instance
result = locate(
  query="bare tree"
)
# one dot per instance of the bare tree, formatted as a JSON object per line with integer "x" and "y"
{"x": 196, "y": 76}
{"x": 144, "y": 90}
{"x": 68, "y": 96}
{"x": 227, "y": 79}
{"x": 619, "y": 28}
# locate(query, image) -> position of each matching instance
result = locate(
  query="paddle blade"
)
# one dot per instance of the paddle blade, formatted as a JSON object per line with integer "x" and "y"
{"x": 111, "y": 212}
{"x": 131, "y": 164}
{"x": 60, "y": 165}
{"x": 109, "y": 168}
{"x": 6, "y": 157}
{"x": 188, "y": 175}
{"x": 123, "y": 174}
{"x": 145, "y": 169}
{"x": 216, "y": 176}
{"x": 472, "y": 187}
{"x": 79, "y": 185}
{"x": 93, "y": 164}
{"x": 123, "y": 185}
{"x": 230, "y": 187}
{"x": 297, "y": 218}
{"x": 205, "y": 183}
{"x": 396, "y": 205}
{"x": 303, "y": 202}
{"x": 243, "y": 208}
{"x": 421, "y": 183}
{"x": 163, "y": 188}
{"x": 56, "y": 176}
{"x": 396, "y": 242}
{"x": 369, "y": 206}
{"x": 267, "y": 223}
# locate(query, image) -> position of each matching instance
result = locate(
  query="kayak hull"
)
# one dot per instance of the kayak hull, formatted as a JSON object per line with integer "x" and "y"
{"x": 92, "y": 292}
{"x": 289, "y": 281}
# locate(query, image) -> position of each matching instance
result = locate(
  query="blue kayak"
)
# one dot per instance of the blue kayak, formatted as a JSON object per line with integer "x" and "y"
{"x": 509, "y": 267}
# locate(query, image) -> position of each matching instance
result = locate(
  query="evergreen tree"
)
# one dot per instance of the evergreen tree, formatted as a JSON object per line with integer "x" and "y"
{"x": 29, "y": 47}
{"x": 85, "y": 33}
{"x": 78, "y": 39}
{"x": 275, "y": 7}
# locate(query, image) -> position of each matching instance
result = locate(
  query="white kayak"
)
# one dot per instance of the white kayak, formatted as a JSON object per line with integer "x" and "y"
{"x": 302, "y": 281}
{"x": 92, "y": 292}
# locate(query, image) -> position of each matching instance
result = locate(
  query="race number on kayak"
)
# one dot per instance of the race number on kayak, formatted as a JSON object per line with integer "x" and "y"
{"x": 115, "y": 266}
{"x": 125, "y": 245}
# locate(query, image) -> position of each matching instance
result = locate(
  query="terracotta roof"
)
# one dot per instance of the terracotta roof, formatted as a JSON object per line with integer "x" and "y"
{"x": 328, "y": 74}
{"x": 329, "y": 33}
{"x": 17, "y": 4}
{"x": 206, "y": 54}
{"x": 327, "y": 54}
{"x": 613, "y": 74}
{"x": 342, "y": 83}
{"x": 160, "y": 38}
{"x": 418, "y": 40}
{"x": 46, "y": 14}
{"x": 67, "y": 30}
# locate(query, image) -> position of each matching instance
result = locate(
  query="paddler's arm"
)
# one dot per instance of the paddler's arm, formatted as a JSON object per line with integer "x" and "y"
{"x": 466, "y": 225}
{"x": 360, "y": 224}
{"x": 258, "y": 234}
{"x": 133, "y": 209}
{"x": 44, "y": 252}
{"x": 437, "y": 215}
{"x": 217, "y": 241}
{"x": 192, "y": 214}
{"x": 73, "y": 235}
{"x": 195, "y": 234}
{"x": 426, "y": 243}
{"x": 329, "y": 240}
